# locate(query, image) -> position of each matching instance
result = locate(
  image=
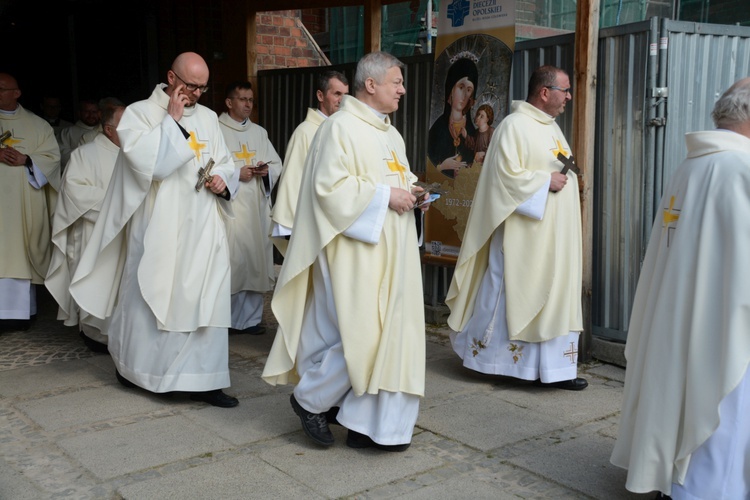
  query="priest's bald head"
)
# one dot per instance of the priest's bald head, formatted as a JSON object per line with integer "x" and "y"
{"x": 732, "y": 110}
{"x": 188, "y": 76}
{"x": 9, "y": 92}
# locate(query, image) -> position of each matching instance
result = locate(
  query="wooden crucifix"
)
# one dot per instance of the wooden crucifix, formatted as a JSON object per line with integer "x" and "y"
{"x": 569, "y": 163}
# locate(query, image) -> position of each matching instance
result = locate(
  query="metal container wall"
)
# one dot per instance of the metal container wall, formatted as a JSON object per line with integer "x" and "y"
{"x": 529, "y": 55}
{"x": 704, "y": 60}
{"x": 622, "y": 166}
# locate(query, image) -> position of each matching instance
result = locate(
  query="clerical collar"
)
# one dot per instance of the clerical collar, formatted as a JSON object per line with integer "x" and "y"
{"x": 321, "y": 113}
{"x": 5, "y": 112}
{"x": 380, "y": 115}
{"x": 243, "y": 122}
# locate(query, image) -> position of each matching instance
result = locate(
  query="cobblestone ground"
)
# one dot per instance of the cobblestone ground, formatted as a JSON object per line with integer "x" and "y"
{"x": 477, "y": 437}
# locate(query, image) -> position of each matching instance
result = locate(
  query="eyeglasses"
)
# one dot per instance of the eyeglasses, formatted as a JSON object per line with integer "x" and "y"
{"x": 192, "y": 87}
{"x": 554, "y": 87}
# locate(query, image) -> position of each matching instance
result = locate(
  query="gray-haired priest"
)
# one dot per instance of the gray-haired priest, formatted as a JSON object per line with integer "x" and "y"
{"x": 349, "y": 297}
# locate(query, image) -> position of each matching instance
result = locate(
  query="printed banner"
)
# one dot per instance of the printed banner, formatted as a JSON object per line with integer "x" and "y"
{"x": 473, "y": 57}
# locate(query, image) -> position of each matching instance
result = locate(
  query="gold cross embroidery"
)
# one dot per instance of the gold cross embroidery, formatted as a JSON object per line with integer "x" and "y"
{"x": 670, "y": 216}
{"x": 244, "y": 155}
{"x": 396, "y": 166}
{"x": 195, "y": 146}
{"x": 571, "y": 353}
{"x": 10, "y": 141}
{"x": 560, "y": 149}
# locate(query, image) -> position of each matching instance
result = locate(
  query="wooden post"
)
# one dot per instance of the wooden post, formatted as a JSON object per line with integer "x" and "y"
{"x": 373, "y": 20}
{"x": 584, "y": 106}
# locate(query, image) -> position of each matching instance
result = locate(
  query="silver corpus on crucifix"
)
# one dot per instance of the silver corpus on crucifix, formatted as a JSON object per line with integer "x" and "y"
{"x": 6, "y": 135}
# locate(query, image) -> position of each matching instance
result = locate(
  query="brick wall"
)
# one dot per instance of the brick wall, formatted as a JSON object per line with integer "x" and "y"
{"x": 283, "y": 43}
{"x": 526, "y": 11}
{"x": 314, "y": 20}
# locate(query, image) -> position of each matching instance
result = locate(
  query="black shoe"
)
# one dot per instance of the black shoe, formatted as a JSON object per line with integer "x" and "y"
{"x": 576, "y": 384}
{"x": 662, "y": 496}
{"x": 253, "y": 330}
{"x": 127, "y": 383}
{"x": 331, "y": 416}
{"x": 15, "y": 325}
{"x": 93, "y": 344}
{"x": 215, "y": 398}
{"x": 356, "y": 440}
{"x": 315, "y": 425}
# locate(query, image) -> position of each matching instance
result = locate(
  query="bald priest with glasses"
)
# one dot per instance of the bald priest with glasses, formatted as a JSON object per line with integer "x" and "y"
{"x": 157, "y": 264}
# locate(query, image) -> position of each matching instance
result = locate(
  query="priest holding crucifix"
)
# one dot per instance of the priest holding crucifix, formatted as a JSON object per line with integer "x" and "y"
{"x": 157, "y": 264}
{"x": 515, "y": 298}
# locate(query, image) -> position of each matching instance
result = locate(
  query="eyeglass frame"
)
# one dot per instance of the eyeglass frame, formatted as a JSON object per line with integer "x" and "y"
{"x": 202, "y": 88}
{"x": 555, "y": 87}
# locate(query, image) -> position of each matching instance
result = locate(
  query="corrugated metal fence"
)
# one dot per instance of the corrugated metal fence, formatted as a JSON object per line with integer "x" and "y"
{"x": 657, "y": 79}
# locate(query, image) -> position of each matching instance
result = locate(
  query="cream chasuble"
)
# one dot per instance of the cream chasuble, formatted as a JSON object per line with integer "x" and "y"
{"x": 688, "y": 344}
{"x": 84, "y": 184}
{"x": 158, "y": 260}
{"x": 249, "y": 232}
{"x": 376, "y": 288}
{"x": 70, "y": 138}
{"x": 291, "y": 174}
{"x": 542, "y": 257}
{"x": 26, "y": 212}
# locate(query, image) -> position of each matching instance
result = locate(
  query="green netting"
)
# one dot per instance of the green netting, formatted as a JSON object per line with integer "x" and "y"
{"x": 401, "y": 26}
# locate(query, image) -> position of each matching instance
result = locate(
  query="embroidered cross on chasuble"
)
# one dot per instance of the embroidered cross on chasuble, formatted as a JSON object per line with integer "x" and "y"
{"x": 245, "y": 154}
{"x": 196, "y": 146}
{"x": 670, "y": 218}
{"x": 396, "y": 171}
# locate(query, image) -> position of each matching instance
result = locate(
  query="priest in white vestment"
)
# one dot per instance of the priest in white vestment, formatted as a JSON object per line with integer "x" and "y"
{"x": 331, "y": 88}
{"x": 257, "y": 168}
{"x": 84, "y": 184}
{"x": 683, "y": 428}
{"x": 89, "y": 117}
{"x": 515, "y": 297}
{"x": 349, "y": 299}
{"x": 104, "y": 104}
{"x": 157, "y": 264}
{"x": 29, "y": 180}
{"x": 51, "y": 107}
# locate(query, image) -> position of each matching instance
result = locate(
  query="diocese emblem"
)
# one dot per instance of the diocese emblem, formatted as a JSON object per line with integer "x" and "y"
{"x": 457, "y": 11}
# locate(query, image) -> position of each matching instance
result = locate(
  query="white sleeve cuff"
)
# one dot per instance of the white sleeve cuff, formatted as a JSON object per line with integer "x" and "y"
{"x": 534, "y": 206}
{"x": 369, "y": 225}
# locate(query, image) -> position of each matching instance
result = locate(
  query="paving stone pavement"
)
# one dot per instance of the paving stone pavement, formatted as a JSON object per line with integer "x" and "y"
{"x": 69, "y": 430}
